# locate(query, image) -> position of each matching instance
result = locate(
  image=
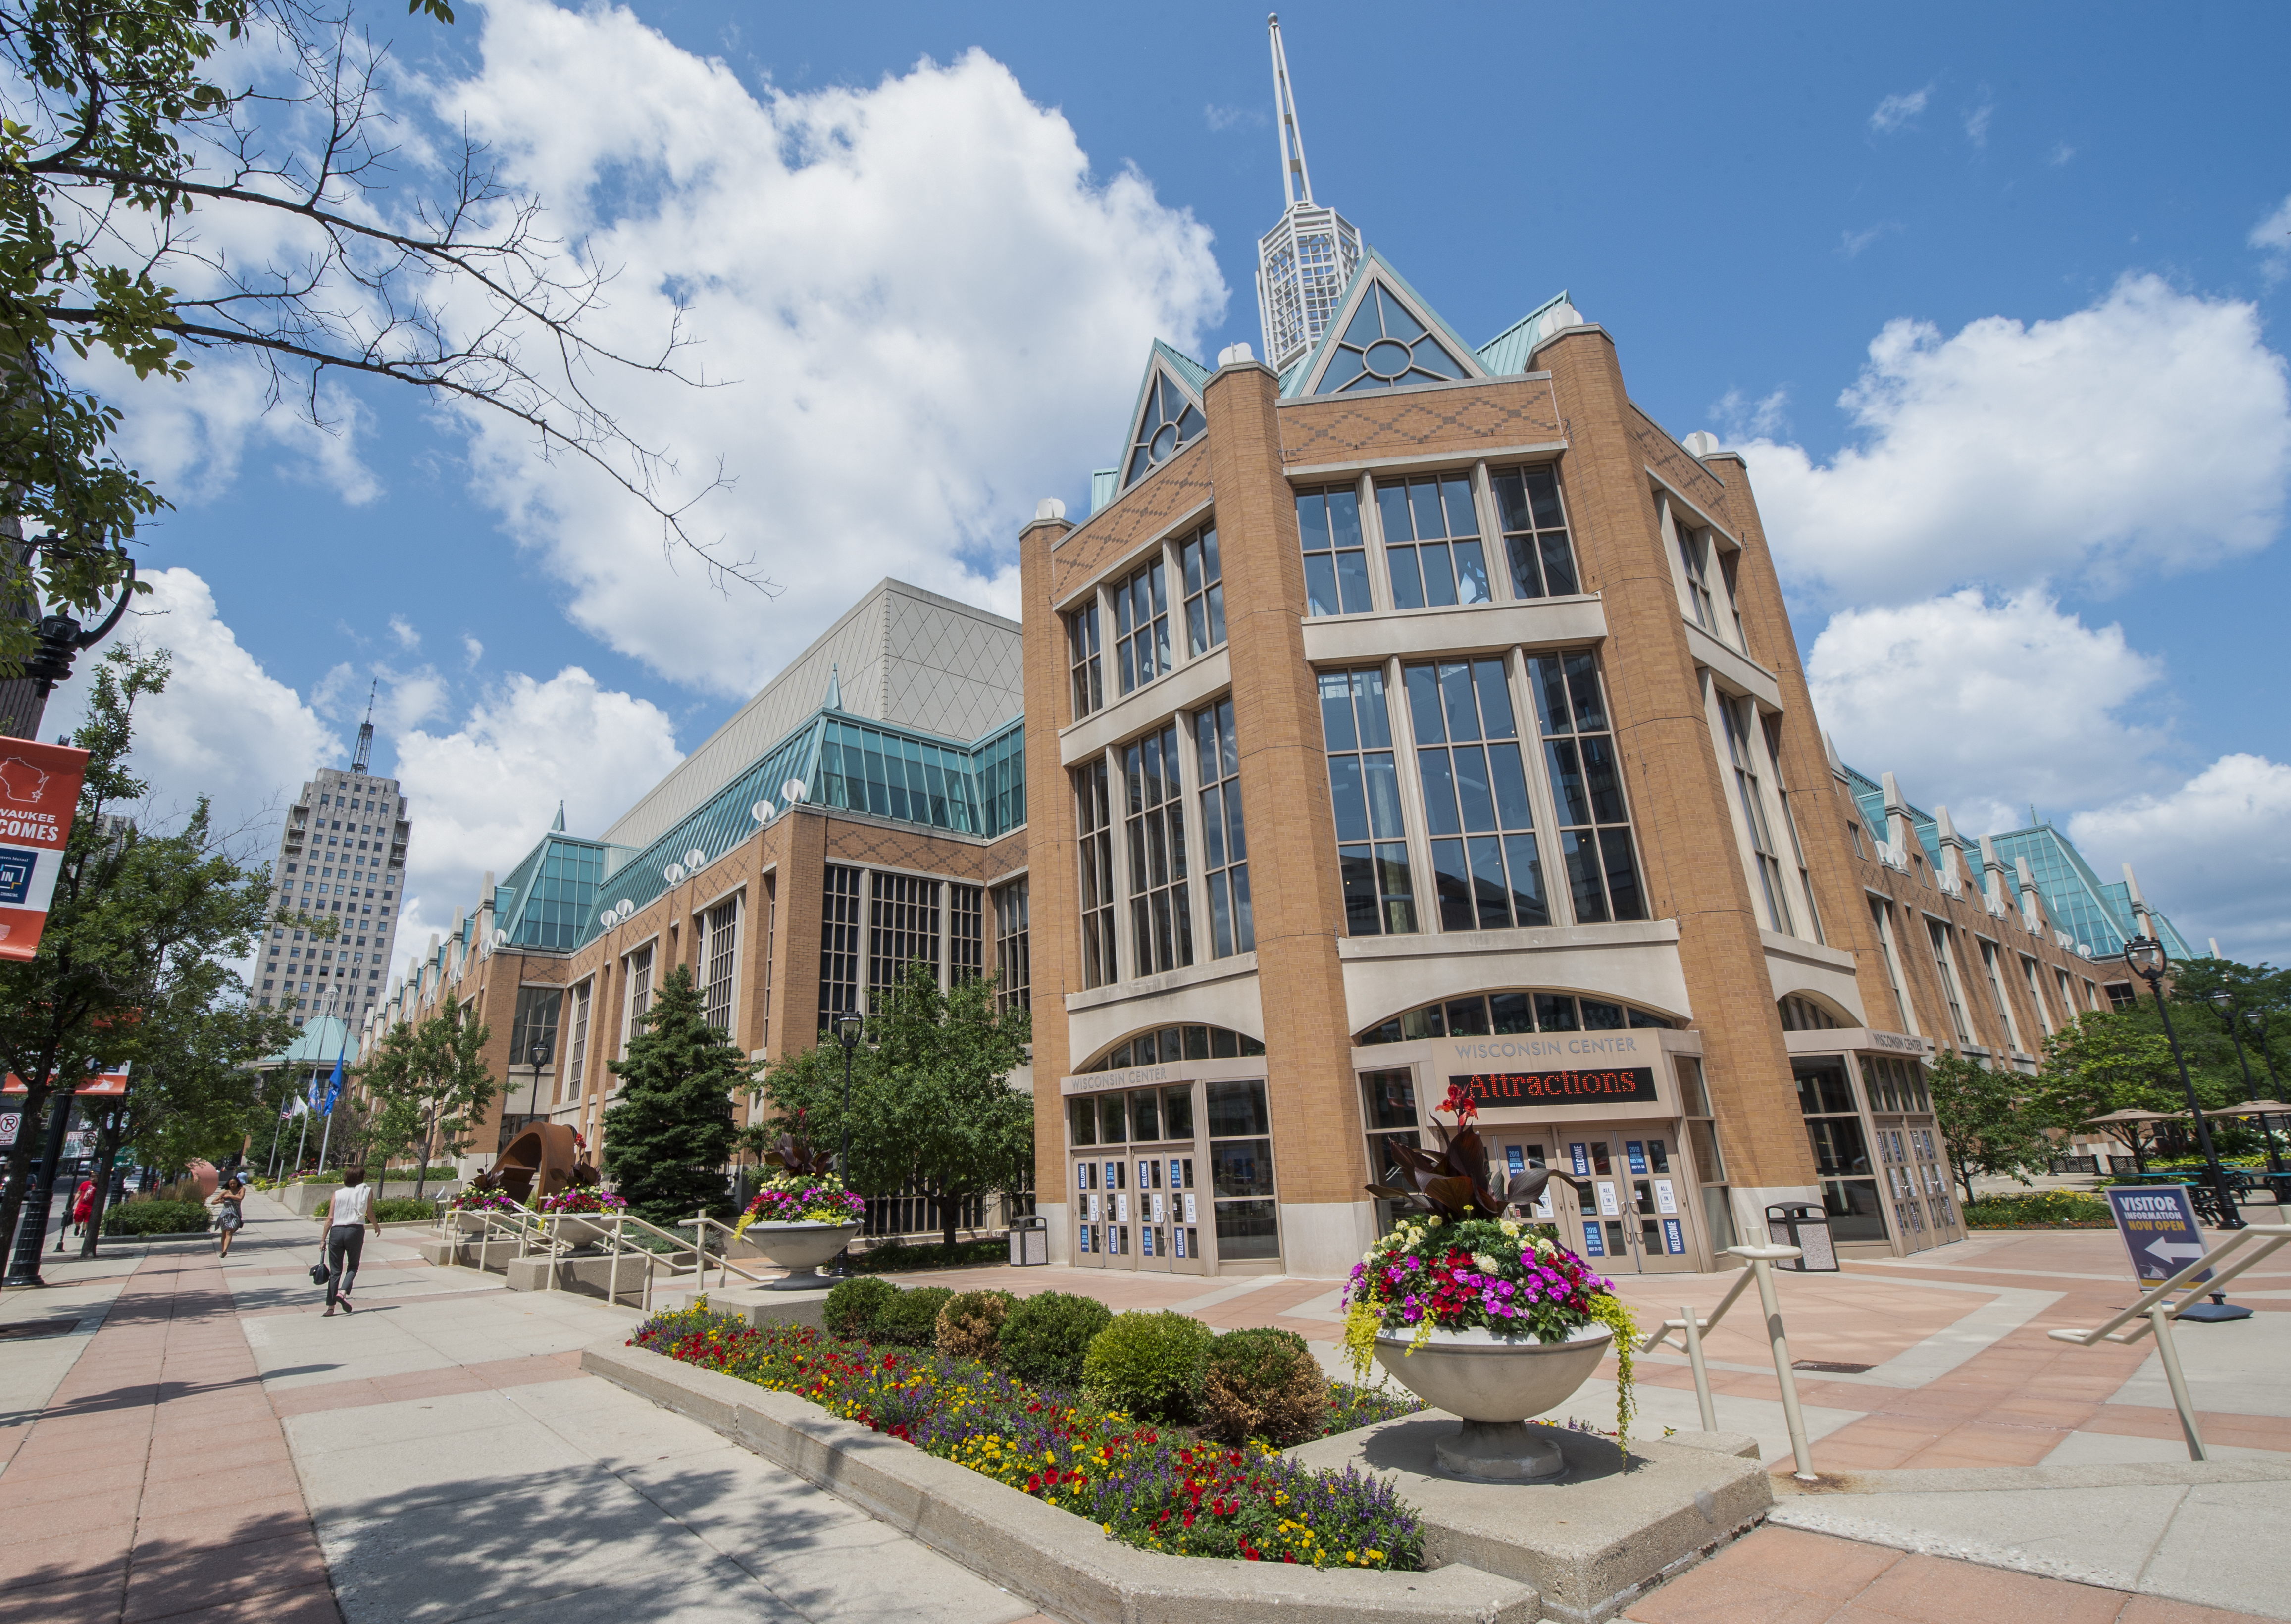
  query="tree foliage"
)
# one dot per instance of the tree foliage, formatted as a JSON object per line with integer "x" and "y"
{"x": 2106, "y": 1061}
{"x": 130, "y": 125}
{"x": 427, "y": 1086}
{"x": 932, "y": 1109}
{"x": 670, "y": 1133}
{"x": 1988, "y": 1126}
{"x": 133, "y": 966}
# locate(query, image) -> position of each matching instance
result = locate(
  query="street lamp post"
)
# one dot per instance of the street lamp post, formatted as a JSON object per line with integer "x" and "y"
{"x": 537, "y": 1055}
{"x": 2146, "y": 957}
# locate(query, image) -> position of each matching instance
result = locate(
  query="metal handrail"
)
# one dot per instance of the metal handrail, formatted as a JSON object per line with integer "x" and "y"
{"x": 2158, "y": 1310}
{"x": 1762, "y": 1260}
{"x": 541, "y": 1231}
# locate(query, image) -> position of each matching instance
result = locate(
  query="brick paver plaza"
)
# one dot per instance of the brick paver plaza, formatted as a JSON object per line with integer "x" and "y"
{"x": 205, "y": 1446}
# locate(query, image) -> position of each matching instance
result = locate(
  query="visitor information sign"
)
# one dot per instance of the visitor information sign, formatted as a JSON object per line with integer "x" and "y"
{"x": 39, "y": 791}
{"x": 2157, "y": 1223}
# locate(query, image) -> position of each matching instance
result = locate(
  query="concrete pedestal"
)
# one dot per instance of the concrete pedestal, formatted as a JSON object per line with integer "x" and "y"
{"x": 1589, "y": 1537}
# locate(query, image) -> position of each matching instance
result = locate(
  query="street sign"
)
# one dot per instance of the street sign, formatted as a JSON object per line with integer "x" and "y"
{"x": 2157, "y": 1223}
{"x": 39, "y": 792}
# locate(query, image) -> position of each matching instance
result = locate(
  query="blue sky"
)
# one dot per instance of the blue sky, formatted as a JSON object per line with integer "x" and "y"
{"x": 2061, "y": 202}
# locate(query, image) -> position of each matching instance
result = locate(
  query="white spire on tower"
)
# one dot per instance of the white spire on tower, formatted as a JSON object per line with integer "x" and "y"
{"x": 1304, "y": 263}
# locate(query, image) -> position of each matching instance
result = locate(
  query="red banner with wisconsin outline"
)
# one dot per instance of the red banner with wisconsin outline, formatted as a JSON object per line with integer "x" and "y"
{"x": 39, "y": 792}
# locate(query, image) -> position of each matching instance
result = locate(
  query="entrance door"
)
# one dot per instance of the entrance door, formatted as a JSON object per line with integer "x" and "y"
{"x": 1623, "y": 1202}
{"x": 1105, "y": 1229}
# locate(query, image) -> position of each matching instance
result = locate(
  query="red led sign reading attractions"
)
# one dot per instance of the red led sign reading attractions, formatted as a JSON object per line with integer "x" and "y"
{"x": 1570, "y": 1088}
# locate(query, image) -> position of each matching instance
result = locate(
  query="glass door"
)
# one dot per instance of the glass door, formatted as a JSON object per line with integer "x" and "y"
{"x": 1624, "y": 1201}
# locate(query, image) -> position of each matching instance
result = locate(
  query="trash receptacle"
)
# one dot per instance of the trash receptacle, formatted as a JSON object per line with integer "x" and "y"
{"x": 1030, "y": 1242}
{"x": 1806, "y": 1227}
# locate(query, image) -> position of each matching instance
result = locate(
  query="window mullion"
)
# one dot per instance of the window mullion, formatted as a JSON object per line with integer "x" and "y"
{"x": 1497, "y": 555}
{"x": 1117, "y": 798}
{"x": 1379, "y": 573}
{"x": 1415, "y": 826}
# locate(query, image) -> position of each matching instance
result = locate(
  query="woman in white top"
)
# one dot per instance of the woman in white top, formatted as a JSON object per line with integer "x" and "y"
{"x": 349, "y": 1213}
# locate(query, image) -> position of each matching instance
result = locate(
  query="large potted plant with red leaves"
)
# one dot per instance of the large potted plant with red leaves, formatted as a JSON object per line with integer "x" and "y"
{"x": 1478, "y": 1311}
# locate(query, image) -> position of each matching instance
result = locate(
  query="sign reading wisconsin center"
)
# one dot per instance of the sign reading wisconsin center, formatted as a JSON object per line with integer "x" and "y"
{"x": 39, "y": 791}
{"x": 2158, "y": 1226}
{"x": 1568, "y": 1087}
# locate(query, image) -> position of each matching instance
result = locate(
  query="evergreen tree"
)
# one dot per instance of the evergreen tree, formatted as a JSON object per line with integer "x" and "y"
{"x": 932, "y": 1108}
{"x": 668, "y": 1137}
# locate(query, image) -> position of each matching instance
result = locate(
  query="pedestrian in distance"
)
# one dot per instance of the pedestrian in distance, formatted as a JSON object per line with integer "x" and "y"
{"x": 230, "y": 1201}
{"x": 349, "y": 1213}
{"x": 83, "y": 1207}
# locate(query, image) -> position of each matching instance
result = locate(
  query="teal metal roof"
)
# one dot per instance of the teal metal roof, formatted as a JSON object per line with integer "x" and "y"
{"x": 1507, "y": 353}
{"x": 1196, "y": 376}
{"x": 2097, "y": 914}
{"x": 320, "y": 1040}
{"x": 548, "y": 899}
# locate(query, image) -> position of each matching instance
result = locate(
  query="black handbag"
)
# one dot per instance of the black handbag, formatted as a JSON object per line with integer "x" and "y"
{"x": 320, "y": 1274}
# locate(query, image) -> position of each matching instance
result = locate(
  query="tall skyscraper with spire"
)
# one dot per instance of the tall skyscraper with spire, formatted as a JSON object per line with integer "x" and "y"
{"x": 1305, "y": 264}
{"x": 342, "y": 856}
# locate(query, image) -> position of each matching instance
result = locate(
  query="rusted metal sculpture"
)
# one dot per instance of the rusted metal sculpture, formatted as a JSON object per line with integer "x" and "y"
{"x": 544, "y": 1159}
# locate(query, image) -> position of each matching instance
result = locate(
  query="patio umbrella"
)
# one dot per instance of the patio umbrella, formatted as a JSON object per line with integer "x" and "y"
{"x": 2263, "y": 1109}
{"x": 2130, "y": 1117}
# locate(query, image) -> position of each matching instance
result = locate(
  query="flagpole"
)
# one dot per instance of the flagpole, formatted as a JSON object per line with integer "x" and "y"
{"x": 334, "y": 1087}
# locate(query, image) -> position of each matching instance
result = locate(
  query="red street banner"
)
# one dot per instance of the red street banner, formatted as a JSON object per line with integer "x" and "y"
{"x": 39, "y": 792}
{"x": 108, "y": 1082}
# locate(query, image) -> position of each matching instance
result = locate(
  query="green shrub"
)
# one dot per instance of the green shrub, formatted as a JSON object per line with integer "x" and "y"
{"x": 2039, "y": 1209}
{"x": 899, "y": 1257}
{"x": 157, "y": 1217}
{"x": 851, "y": 1308}
{"x": 403, "y": 1209}
{"x": 1150, "y": 1365}
{"x": 969, "y": 1324}
{"x": 1046, "y": 1335}
{"x": 1263, "y": 1383}
{"x": 910, "y": 1319}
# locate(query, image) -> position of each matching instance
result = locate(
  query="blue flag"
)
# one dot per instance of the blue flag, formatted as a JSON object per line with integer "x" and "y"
{"x": 334, "y": 1087}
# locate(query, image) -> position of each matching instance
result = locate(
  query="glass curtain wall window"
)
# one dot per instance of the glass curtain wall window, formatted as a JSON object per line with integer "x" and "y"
{"x": 1197, "y": 561}
{"x": 2037, "y": 993}
{"x": 1485, "y": 865}
{"x": 1881, "y": 919}
{"x": 1225, "y": 838}
{"x": 1141, "y": 627}
{"x": 1364, "y": 792}
{"x": 1947, "y": 966}
{"x": 1160, "y": 915}
{"x": 721, "y": 957}
{"x": 1694, "y": 552}
{"x": 764, "y": 963}
{"x": 1169, "y": 423}
{"x": 1769, "y": 864}
{"x": 966, "y": 933}
{"x": 838, "y": 944}
{"x": 1586, "y": 785}
{"x": 1790, "y": 823}
{"x": 902, "y": 930}
{"x": 1013, "y": 959}
{"x": 1082, "y": 653}
{"x": 1336, "y": 556}
{"x": 636, "y": 975}
{"x": 1996, "y": 990}
{"x": 575, "y": 1070}
{"x": 1389, "y": 1108}
{"x": 1432, "y": 542}
{"x": 1535, "y": 532}
{"x": 1841, "y": 1150}
{"x": 1240, "y": 1170}
{"x": 1384, "y": 346}
{"x": 1094, "y": 825}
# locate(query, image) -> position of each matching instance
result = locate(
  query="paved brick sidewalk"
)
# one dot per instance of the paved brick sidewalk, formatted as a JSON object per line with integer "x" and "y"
{"x": 1782, "y": 1576}
{"x": 155, "y": 1482}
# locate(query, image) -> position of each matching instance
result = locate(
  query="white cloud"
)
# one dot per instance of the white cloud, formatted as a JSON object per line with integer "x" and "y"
{"x": 1976, "y": 123}
{"x": 2061, "y": 154}
{"x": 2146, "y": 434}
{"x": 2214, "y": 854}
{"x": 1739, "y": 418}
{"x": 1850, "y": 243}
{"x": 480, "y": 795}
{"x": 1896, "y": 111}
{"x": 224, "y": 728}
{"x": 1220, "y": 120}
{"x": 189, "y": 438}
{"x": 930, "y": 313}
{"x": 2272, "y": 238}
{"x": 472, "y": 651}
{"x": 406, "y": 636}
{"x": 1952, "y": 693}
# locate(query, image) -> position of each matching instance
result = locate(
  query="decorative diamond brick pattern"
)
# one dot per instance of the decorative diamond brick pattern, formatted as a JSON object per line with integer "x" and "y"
{"x": 1144, "y": 511}
{"x": 1317, "y": 431}
{"x": 1667, "y": 458}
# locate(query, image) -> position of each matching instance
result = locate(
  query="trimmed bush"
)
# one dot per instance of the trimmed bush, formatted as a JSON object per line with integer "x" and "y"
{"x": 403, "y": 1209}
{"x": 851, "y": 1308}
{"x": 157, "y": 1217}
{"x": 910, "y": 1319}
{"x": 2039, "y": 1209}
{"x": 1263, "y": 1383}
{"x": 1149, "y": 1365}
{"x": 1045, "y": 1336}
{"x": 969, "y": 1325}
{"x": 899, "y": 1257}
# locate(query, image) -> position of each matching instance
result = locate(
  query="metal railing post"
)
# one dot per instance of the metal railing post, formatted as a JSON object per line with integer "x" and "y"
{"x": 2159, "y": 1322}
{"x": 613, "y": 1277}
{"x": 1703, "y": 1398}
{"x": 1762, "y": 1263}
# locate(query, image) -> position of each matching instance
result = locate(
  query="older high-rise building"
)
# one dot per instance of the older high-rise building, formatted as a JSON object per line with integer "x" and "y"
{"x": 342, "y": 856}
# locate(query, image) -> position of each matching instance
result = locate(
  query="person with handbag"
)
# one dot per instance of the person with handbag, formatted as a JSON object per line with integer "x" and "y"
{"x": 349, "y": 1213}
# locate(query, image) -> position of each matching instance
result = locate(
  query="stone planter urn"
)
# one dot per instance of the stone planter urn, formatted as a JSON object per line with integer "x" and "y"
{"x": 469, "y": 1222}
{"x": 1494, "y": 1384}
{"x": 580, "y": 1228}
{"x": 800, "y": 1248}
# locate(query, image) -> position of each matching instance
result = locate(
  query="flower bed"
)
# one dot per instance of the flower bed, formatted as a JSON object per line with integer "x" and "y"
{"x": 474, "y": 1200}
{"x": 2039, "y": 1209}
{"x": 580, "y": 1200}
{"x": 1147, "y": 1487}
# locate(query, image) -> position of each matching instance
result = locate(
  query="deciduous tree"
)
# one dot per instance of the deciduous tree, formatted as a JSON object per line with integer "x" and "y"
{"x": 1987, "y": 1123}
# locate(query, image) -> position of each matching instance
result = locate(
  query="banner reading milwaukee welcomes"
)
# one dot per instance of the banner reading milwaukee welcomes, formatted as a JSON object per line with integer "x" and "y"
{"x": 39, "y": 792}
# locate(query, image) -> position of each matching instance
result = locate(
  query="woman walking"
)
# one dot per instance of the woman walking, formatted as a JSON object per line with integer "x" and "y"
{"x": 83, "y": 1206}
{"x": 349, "y": 1211}
{"x": 230, "y": 1201}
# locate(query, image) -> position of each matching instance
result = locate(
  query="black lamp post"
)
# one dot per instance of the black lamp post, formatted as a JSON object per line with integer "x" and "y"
{"x": 849, "y": 1025}
{"x": 536, "y": 1054}
{"x": 2147, "y": 959}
